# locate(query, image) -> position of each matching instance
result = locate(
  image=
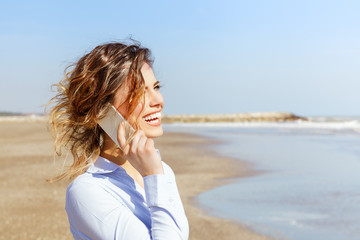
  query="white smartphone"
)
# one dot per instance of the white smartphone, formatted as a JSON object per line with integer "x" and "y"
{"x": 110, "y": 124}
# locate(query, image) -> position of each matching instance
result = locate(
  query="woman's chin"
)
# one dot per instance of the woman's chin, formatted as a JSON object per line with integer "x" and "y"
{"x": 154, "y": 133}
{"x": 151, "y": 131}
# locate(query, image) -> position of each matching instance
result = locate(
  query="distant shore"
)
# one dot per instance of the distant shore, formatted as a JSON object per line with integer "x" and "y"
{"x": 238, "y": 117}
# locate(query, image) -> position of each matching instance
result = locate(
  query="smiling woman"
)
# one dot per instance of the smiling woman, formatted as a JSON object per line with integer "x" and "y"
{"x": 116, "y": 193}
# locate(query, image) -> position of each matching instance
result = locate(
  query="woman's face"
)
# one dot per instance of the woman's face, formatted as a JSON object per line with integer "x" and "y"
{"x": 149, "y": 120}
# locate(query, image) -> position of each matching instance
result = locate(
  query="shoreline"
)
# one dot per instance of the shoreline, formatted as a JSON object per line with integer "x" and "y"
{"x": 34, "y": 208}
{"x": 202, "y": 173}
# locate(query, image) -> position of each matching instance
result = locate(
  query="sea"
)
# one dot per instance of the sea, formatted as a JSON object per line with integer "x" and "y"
{"x": 309, "y": 182}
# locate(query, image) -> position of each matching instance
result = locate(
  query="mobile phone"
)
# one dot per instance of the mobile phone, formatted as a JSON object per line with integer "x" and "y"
{"x": 110, "y": 124}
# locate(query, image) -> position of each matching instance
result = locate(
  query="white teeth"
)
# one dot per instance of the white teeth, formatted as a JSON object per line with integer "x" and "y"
{"x": 154, "y": 121}
{"x": 153, "y": 116}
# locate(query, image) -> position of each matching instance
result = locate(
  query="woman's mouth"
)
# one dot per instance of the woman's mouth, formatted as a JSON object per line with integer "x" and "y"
{"x": 153, "y": 119}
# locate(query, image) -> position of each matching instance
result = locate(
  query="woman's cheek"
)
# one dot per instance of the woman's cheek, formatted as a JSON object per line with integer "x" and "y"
{"x": 137, "y": 111}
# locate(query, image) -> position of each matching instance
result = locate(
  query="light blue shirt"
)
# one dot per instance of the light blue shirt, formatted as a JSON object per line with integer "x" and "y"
{"x": 106, "y": 203}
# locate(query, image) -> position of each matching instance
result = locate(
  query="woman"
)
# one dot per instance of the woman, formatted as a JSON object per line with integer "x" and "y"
{"x": 126, "y": 193}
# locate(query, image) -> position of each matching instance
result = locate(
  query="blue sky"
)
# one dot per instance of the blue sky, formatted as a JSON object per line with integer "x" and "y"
{"x": 210, "y": 56}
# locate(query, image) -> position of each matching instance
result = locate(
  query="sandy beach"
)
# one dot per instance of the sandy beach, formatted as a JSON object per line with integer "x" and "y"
{"x": 31, "y": 208}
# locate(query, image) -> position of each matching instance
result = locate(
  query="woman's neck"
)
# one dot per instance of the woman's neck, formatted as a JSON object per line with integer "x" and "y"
{"x": 112, "y": 153}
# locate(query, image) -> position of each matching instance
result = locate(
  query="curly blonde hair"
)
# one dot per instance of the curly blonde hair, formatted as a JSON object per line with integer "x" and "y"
{"x": 83, "y": 96}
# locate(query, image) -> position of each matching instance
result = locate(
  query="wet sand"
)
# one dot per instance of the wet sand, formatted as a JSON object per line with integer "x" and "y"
{"x": 31, "y": 208}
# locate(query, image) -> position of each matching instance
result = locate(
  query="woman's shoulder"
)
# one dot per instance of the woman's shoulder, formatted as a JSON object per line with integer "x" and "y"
{"x": 82, "y": 192}
{"x": 88, "y": 190}
{"x": 98, "y": 175}
{"x": 84, "y": 183}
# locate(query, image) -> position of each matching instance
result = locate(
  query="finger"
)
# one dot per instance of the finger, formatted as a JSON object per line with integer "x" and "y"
{"x": 120, "y": 135}
{"x": 137, "y": 136}
{"x": 134, "y": 143}
{"x": 141, "y": 132}
{"x": 141, "y": 143}
{"x": 121, "y": 138}
{"x": 149, "y": 145}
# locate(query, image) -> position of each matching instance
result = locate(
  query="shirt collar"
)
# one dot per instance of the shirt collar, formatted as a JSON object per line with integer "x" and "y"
{"x": 102, "y": 165}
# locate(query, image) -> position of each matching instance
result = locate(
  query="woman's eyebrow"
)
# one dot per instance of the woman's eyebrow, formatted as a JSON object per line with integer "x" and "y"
{"x": 155, "y": 83}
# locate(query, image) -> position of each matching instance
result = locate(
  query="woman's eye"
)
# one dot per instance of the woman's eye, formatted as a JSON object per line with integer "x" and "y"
{"x": 157, "y": 87}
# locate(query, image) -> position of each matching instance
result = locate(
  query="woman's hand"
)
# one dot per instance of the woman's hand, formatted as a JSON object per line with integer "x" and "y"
{"x": 141, "y": 152}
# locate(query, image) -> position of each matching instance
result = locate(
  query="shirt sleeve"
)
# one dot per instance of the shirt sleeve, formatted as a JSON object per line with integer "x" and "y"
{"x": 168, "y": 218}
{"x": 96, "y": 214}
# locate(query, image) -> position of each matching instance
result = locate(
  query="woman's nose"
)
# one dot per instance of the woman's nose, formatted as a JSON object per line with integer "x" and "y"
{"x": 156, "y": 99}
